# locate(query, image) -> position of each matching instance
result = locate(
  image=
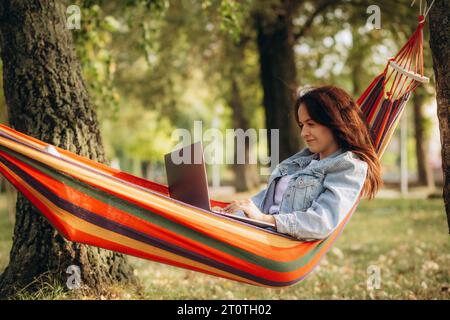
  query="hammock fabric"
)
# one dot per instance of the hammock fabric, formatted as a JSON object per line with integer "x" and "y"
{"x": 91, "y": 203}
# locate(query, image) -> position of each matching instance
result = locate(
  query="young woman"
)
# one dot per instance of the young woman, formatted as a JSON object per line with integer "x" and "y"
{"x": 309, "y": 194}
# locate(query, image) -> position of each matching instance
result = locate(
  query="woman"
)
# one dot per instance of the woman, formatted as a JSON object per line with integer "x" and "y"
{"x": 309, "y": 194}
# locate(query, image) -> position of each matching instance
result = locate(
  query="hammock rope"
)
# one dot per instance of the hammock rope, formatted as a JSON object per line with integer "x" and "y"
{"x": 384, "y": 100}
{"x": 91, "y": 203}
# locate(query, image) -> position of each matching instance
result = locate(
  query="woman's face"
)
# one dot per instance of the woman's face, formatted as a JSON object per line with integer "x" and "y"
{"x": 318, "y": 137}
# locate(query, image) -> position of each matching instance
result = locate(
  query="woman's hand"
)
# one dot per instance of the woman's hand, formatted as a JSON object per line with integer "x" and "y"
{"x": 250, "y": 210}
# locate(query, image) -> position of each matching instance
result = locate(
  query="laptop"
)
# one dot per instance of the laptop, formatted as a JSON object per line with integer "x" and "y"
{"x": 188, "y": 182}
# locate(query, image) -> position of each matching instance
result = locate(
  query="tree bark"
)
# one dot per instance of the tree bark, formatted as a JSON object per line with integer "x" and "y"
{"x": 424, "y": 174}
{"x": 276, "y": 42}
{"x": 47, "y": 99}
{"x": 440, "y": 48}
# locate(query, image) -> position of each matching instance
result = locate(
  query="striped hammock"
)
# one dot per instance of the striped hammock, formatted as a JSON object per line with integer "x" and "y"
{"x": 91, "y": 203}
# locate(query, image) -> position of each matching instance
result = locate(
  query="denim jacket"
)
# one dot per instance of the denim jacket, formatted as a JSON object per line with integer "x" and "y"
{"x": 318, "y": 196}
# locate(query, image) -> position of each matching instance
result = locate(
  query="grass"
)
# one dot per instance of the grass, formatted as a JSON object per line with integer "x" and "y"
{"x": 406, "y": 240}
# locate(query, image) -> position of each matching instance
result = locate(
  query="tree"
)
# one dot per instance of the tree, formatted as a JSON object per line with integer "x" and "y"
{"x": 440, "y": 48}
{"x": 424, "y": 172}
{"x": 239, "y": 86}
{"x": 277, "y": 34}
{"x": 246, "y": 174}
{"x": 276, "y": 41}
{"x": 47, "y": 98}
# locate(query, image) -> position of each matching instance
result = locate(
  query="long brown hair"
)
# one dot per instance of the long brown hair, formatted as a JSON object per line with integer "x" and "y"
{"x": 336, "y": 109}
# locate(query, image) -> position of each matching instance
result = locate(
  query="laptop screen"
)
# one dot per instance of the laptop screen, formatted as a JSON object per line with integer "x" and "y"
{"x": 186, "y": 175}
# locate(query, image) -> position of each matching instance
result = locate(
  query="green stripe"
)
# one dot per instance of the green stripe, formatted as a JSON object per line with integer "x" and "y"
{"x": 152, "y": 217}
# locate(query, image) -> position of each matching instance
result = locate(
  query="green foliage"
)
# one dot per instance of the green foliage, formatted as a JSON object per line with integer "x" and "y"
{"x": 174, "y": 61}
{"x": 231, "y": 14}
{"x": 97, "y": 62}
{"x": 165, "y": 75}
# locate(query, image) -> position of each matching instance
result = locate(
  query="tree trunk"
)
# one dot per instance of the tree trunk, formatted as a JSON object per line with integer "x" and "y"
{"x": 47, "y": 99}
{"x": 146, "y": 167}
{"x": 424, "y": 174}
{"x": 440, "y": 48}
{"x": 245, "y": 175}
{"x": 278, "y": 76}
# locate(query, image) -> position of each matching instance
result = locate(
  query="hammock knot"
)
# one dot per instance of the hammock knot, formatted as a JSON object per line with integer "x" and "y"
{"x": 421, "y": 19}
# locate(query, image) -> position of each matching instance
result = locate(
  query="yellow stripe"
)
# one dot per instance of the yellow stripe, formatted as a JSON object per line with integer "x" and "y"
{"x": 388, "y": 136}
